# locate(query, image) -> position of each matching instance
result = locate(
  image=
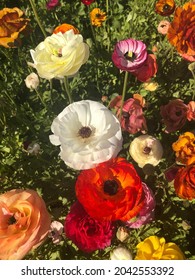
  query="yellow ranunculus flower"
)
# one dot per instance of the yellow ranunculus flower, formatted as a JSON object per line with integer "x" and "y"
{"x": 60, "y": 55}
{"x": 156, "y": 248}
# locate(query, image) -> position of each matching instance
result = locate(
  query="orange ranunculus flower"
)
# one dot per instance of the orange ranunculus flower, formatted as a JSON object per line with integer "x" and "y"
{"x": 24, "y": 223}
{"x": 156, "y": 248}
{"x": 97, "y": 17}
{"x": 184, "y": 148}
{"x": 65, "y": 27}
{"x": 184, "y": 182}
{"x": 11, "y": 25}
{"x": 181, "y": 33}
{"x": 165, "y": 7}
{"x": 111, "y": 191}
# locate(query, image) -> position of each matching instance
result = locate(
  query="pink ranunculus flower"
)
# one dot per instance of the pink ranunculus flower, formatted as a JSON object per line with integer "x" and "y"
{"x": 87, "y": 233}
{"x": 51, "y": 4}
{"x": 130, "y": 54}
{"x": 163, "y": 27}
{"x": 174, "y": 115}
{"x": 24, "y": 223}
{"x": 147, "y": 70}
{"x": 146, "y": 214}
{"x": 191, "y": 111}
{"x": 132, "y": 119}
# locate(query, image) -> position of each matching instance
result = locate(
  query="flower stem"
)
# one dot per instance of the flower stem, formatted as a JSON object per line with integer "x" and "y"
{"x": 37, "y": 17}
{"x": 67, "y": 88}
{"x": 41, "y": 99}
{"x": 123, "y": 93}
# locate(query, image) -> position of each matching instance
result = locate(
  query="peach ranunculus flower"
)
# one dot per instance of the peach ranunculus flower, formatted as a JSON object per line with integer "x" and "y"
{"x": 65, "y": 27}
{"x": 191, "y": 111}
{"x": 184, "y": 148}
{"x": 32, "y": 81}
{"x": 11, "y": 25}
{"x": 156, "y": 248}
{"x": 97, "y": 17}
{"x": 24, "y": 223}
{"x": 181, "y": 31}
{"x": 163, "y": 27}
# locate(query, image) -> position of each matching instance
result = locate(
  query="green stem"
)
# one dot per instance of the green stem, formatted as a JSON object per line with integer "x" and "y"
{"x": 123, "y": 93}
{"x": 67, "y": 88}
{"x": 40, "y": 98}
{"x": 37, "y": 17}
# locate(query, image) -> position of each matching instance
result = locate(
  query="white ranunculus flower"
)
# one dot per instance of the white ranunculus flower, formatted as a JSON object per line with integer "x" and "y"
{"x": 60, "y": 55}
{"x": 32, "y": 81}
{"x": 120, "y": 253}
{"x": 88, "y": 133}
{"x": 146, "y": 149}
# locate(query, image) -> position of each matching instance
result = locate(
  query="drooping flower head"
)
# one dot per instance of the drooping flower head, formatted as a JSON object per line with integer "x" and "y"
{"x": 132, "y": 119}
{"x": 97, "y": 17}
{"x": 88, "y": 134}
{"x": 184, "y": 182}
{"x": 12, "y": 24}
{"x": 156, "y": 248}
{"x": 111, "y": 191}
{"x": 51, "y": 4}
{"x": 24, "y": 223}
{"x": 32, "y": 81}
{"x": 63, "y": 28}
{"x": 60, "y": 55}
{"x": 165, "y": 7}
{"x": 130, "y": 54}
{"x": 87, "y": 233}
{"x": 181, "y": 33}
{"x": 146, "y": 214}
{"x": 146, "y": 149}
{"x": 174, "y": 115}
{"x": 184, "y": 148}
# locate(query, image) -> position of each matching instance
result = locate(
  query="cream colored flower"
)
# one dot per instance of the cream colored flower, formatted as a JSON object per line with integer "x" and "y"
{"x": 146, "y": 149}
{"x": 122, "y": 234}
{"x": 120, "y": 253}
{"x": 60, "y": 55}
{"x": 32, "y": 81}
{"x": 88, "y": 133}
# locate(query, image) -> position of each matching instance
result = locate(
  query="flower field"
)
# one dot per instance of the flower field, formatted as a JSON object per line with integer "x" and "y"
{"x": 97, "y": 121}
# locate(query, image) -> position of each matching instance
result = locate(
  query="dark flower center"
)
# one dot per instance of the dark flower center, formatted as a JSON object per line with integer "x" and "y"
{"x": 178, "y": 113}
{"x": 125, "y": 115}
{"x": 85, "y": 132}
{"x": 130, "y": 56}
{"x": 166, "y": 8}
{"x": 110, "y": 187}
{"x": 147, "y": 150}
{"x": 12, "y": 220}
{"x": 98, "y": 15}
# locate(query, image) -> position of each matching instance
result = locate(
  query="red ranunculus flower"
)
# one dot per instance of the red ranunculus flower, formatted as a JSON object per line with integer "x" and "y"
{"x": 51, "y": 4}
{"x": 111, "y": 191}
{"x": 87, "y": 233}
{"x": 87, "y": 2}
{"x": 174, "y": 115}
{"x": 184, "y": 182}
{"x": 147, "y": 70}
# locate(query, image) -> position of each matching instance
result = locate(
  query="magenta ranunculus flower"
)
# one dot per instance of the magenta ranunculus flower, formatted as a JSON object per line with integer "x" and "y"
{"x": 174, "y": 115}
{"x": 130, "y": 54}
{"x": 146, "y": 214}
{"x": 51, "y": 4}
{"x": 87, "y": 233}
{"x": 87, "y": 2}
